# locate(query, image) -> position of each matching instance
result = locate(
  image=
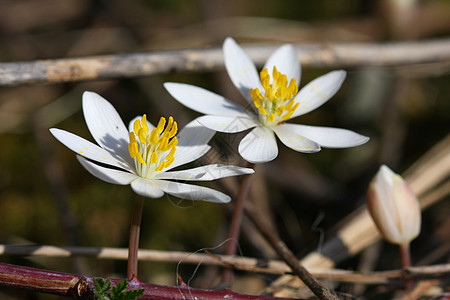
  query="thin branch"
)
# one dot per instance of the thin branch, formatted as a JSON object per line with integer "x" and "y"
{"x": 82, "y": 287}
{"x": 239, "y": 263}
{"x": 201, "y": 60}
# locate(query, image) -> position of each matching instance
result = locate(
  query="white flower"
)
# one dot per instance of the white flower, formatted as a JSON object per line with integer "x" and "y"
{"x": 394, "y": 207}
{"x": 143, "y": 155}
{"x": 274, "y": 99}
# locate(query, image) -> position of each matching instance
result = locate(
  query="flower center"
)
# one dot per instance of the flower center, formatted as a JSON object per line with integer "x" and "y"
{"x": 277, "y": 104}
{"x": 153, "y": 151}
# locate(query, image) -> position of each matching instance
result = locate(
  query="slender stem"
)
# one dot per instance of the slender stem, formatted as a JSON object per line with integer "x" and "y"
{"x": 282, "y": 250}
{"x": 405, "y": 258}
{"x": 133, "y": 245}
{"x": 235, "y": 226}
{"x": 82, "y": 287}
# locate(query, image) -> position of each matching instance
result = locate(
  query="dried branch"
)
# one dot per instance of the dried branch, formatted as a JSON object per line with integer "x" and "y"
{"x": 200, "y": 60}
{"x": 82, "y": 287}
{"x": 239, "y": 263}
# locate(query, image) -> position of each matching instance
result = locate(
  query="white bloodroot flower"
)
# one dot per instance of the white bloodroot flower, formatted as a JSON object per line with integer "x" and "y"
{"x": 274, "y": 98}
{"x": 144, "y": 154}
{"x": 394, "y": 207}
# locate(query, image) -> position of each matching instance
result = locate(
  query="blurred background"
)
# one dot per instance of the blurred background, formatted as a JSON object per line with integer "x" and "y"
{"x": 47, "y": 198}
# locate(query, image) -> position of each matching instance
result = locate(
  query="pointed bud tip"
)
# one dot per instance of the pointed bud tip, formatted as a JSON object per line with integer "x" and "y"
{"x": 393, "y": 206}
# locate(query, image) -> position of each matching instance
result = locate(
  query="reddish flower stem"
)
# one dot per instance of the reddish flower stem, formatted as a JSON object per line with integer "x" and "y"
{"x": 235, "y": 225}
{"x": 405, "y": 259}
{"x": 133, "y": 246}
{"x": 82, "y": 287}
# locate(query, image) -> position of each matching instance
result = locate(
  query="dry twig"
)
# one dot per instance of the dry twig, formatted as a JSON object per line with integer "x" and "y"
{"x": 201, "y": 60}
{"x": 239, "y": 263}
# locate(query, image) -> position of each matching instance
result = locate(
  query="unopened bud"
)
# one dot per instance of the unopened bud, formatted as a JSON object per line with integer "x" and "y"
{"x": 394, "y": 207}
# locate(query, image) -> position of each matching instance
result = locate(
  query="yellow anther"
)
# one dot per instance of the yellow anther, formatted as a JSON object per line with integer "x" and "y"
{"x": 160, "y": 167}
{"x": 154, "y": 158}
{"x": 288, "y": 115}
{"x": 257, "y": 103}
{"x": 142, "y": 135}
{"x": 264, "y": 75}
{"x": 295, "y": 107}
{"x": 290, "y": 112}
{"x": 262, "y": 110}
{"x": 161, "y": 124}
{"x": 257, "y": 97}
{"x": 293, "y": 87}
{"x": 173, "y": 130}
{"x": 169, "y": 125}
{"x": 275, "y": 73}
{"x": 265, "y": 80}
{"x": 137, "y": 126}
{"x": 172, "y": 143}
{"x": 271, "y": 117}
{"x": 171, "y": 153}
{"x": 144, "y": 123}
{"x": 169, "y": 161}
{"x": 282, "y": 81}
{"x": 134, "y": 149}
{"x": 154, "y": 136}
{"x": 289, "y": 105}
{"x": 280, "y": 110}
{"x": 163, "y": 143}
{"x": 131, "y": 148}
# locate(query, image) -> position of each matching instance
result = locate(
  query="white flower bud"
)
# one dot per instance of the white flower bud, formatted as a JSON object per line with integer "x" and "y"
{"x": 394, "y": 207}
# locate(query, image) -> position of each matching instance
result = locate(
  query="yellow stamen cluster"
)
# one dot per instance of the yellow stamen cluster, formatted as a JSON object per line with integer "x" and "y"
{"x": 277, "y": 104}
{"x": 148, "y": 148}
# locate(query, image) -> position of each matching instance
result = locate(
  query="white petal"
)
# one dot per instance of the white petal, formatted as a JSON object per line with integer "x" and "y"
{"x": 147, "y": 188}
{"x": 327, "y": 136}
{"x": 106, "y": 126}
{"x": 227, "y": 124}
{"x": 192, "y": 192}
{"x": 192, "y": 143}
{"x": 259, "y": 146}
{"x": 203, "y": 101}
{"x": 286, "y": 60}
{"x": 294, "y": 140}
{"x": 205, "y": 173}
{"x": 240, "y": 68}
{"x": 87, "y": 149}
{"x": 318, "y": 91}
{"x": 131, "y": 124}
{"x": 107, "y": 174}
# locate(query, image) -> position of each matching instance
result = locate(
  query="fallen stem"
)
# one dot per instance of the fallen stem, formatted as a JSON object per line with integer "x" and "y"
{"x": 235, "y": 226}
{"x": 133, "y": 246}
{"x": 248, "y": 264}
{"x": 82, "y": 287}
{"x": 199, "y": 60}
{"x": 282, "y": 250}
